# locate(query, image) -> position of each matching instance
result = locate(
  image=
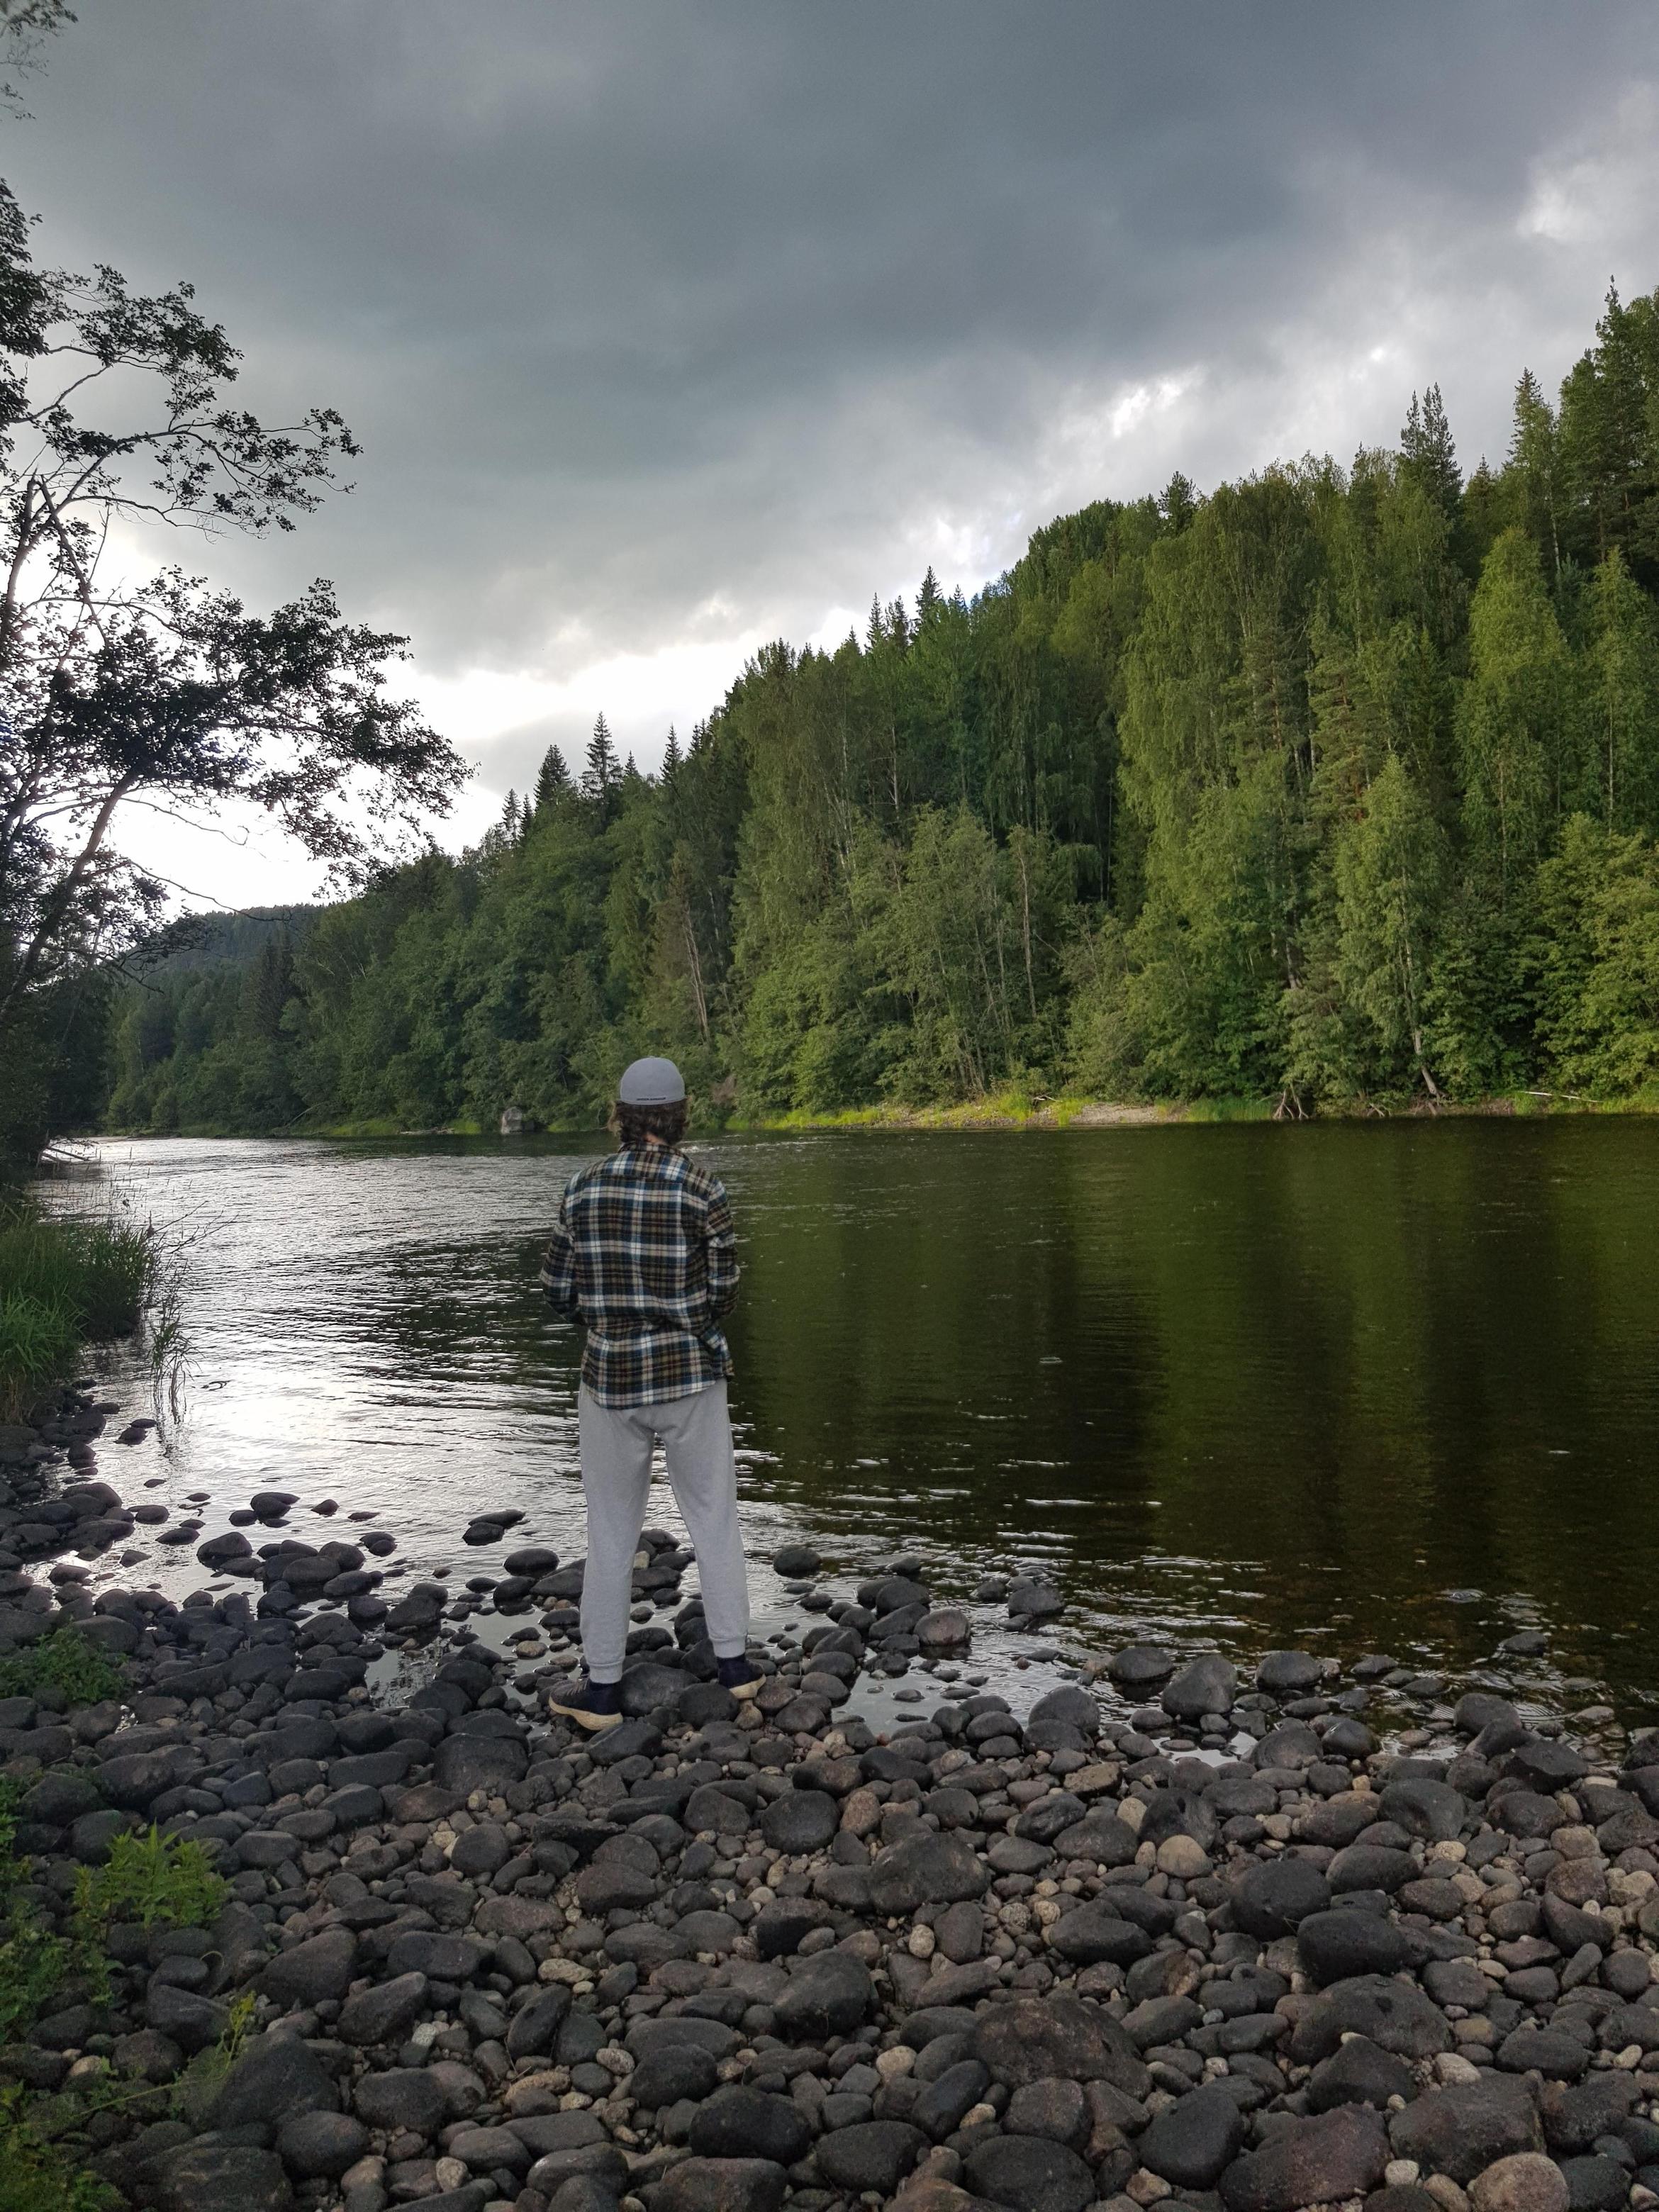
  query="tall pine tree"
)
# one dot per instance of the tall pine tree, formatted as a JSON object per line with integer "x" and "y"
{"x": 602, "y": 775}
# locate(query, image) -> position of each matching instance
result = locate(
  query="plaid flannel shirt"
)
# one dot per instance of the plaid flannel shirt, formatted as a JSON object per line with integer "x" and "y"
{"x": 644, "y": 1254}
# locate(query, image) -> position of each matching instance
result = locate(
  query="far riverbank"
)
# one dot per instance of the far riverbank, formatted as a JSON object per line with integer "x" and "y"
{"x": 1001, "y": 1110}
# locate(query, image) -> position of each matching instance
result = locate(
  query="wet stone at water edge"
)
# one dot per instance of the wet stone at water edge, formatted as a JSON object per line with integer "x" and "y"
{"x": 754, "y": 1954}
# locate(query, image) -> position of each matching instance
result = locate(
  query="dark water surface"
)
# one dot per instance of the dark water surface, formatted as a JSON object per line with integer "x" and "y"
{"x": 1388, "y": 1387}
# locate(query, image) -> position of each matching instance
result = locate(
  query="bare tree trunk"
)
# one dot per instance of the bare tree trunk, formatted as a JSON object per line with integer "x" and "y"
{"x": 62, "y": 899}
{"x": 1025, "y": 925}
{"x": 695, "y": 959}
{"x": 14, "y": 574}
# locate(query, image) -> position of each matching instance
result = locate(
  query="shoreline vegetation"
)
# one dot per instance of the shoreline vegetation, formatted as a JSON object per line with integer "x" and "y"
{"x": 65, "y": 1285}
{"x": 1006, "y": 1110}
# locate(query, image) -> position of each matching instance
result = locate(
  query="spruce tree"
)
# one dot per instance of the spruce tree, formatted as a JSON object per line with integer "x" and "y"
{"x": 670, "y": 756}
{"x": 1622, "y": 695}
{"x": 929, "y": 599}
{"x": 1427, "y": 454}
{"x": 1532, "y": 466}
{"x": 552, "y": 781}
{"x": 602, "y": 776}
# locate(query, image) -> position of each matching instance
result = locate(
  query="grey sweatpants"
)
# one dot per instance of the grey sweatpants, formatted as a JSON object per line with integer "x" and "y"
{"x": 616, "y": 1443}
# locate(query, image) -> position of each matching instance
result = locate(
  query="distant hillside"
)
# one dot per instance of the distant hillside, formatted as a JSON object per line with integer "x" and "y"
{"x": 1337, "y": 787}
{"x": 220, "y": 940}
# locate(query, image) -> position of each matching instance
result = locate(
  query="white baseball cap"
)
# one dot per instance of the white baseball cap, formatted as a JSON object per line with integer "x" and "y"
{"x": 652, "y": 1083}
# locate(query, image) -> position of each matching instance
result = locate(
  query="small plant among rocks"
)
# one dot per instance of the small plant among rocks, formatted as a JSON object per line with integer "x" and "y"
{"x": 66, "y": 1665}
{"x": 35, "y": 2175}
{"x": 33, "y": 1960}
{"x": 156, "y": 1879}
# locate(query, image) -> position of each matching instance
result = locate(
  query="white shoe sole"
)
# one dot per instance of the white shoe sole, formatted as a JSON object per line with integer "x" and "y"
{"x": 595, "y": 1723}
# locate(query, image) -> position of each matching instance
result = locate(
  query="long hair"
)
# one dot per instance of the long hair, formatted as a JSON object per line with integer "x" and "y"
{"x": 632, "y": 1125}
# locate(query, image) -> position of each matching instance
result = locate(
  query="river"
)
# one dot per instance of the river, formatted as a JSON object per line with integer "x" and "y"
{"x": 1354, "y": 1386}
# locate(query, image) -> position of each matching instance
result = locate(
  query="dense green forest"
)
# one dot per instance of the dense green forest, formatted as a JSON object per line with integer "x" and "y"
{"x": 1334, "y": 786}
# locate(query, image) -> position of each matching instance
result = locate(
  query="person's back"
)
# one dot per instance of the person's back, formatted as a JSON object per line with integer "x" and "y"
{"x": 651, "y": 1269}
{"x": 645, "y": 1255}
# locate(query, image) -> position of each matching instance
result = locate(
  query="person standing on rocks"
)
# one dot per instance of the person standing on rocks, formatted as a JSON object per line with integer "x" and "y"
{"x": 646, "y": 1257}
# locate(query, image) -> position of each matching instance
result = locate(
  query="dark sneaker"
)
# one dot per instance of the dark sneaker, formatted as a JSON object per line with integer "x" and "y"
{"x": 595, "y": 1705}
{"x": 739, "y": 1677}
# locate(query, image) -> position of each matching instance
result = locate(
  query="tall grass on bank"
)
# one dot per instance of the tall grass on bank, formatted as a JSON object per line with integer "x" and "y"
{"x": 63, "y": 1284}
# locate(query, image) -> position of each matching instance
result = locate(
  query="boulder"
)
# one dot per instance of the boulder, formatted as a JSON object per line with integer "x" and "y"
{"x": 720, "y": 2185}
{"x": 1072, "y": 1706}
{"x": 1333, "y": 2155}
{"x": 1273, "y": 1896}
{"x": 1335, "y": 1947}
{"x": 1432, "y": 1810}
{"x": 1526, "y": 2182}
{"x": 310, "y": 1972}
{"x": 276, "y": 2078}
{"x": 1466, "y": 2127}
{"x": 410, "y": 2097}
{"x": 1395, "y": 2016}
{"x": 741, "y": 2122}
{"x": 1095, "y": 1935}
{"x": 872, "y": 2154}
{"x": 217, "y": 1550}
{"x": 800, "y": 1821}
{"x": 672, "y": 2072}
{"x": 1027, "y": 2174}
{"x": 1031, "y": 2039}
{"x": 1289, "y": 1673}
{"x": 1195, "y": 2140}
{"x": 1100, "y": 1836}
{"x": 926, "y": 1868}
{"x": 1206, "y": 1685}
{"x": 829, "y": 1995}
{"x": 385, "y": 2012}
{"x": 491, "y": 1763}
{"x": 796, "y": 1563}
{"x": 1140, "y": 1667}
{"x": 320, "y": 2146}
{"x": 1358, "y": 2073}
{"x": 212, "y": 2176}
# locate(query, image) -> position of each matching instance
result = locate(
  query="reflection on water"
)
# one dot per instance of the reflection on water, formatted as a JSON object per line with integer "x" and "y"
{"x": 1361, "y": 1387}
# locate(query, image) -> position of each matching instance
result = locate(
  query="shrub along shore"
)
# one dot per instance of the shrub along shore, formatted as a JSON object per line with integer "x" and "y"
{"x": 63, "y": 1284}
{"x": 1013, "y": 1110}
{"x": 1181, "y": 1934}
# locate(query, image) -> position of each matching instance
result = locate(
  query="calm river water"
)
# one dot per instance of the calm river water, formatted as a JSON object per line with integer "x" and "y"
{"x": 1389, "y": 1386}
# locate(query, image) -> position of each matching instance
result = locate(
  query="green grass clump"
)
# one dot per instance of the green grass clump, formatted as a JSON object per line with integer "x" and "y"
{"x": 66, "y": 1662}
{"x": 33, "y": 1960}
{"x": 97, "y": 1272}
{"x": 1232, "y": 1110}
{"x": 35, "y": 2175}
{"x": 39, "y": 1345}
{"x": 33, "y": 1964}
{"x": 63, "y": 1283}
{"x": 155, "y": 1878}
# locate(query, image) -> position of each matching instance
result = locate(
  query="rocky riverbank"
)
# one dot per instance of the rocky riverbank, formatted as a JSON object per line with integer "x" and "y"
{"x": 1176, "y": 1935}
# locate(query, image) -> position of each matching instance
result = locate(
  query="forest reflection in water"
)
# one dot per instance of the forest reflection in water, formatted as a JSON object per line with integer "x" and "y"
{"x": 1354, "y": 1386}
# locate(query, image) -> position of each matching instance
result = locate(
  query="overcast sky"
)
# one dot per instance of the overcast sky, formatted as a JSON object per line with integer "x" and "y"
{"x": 671, "y": 326}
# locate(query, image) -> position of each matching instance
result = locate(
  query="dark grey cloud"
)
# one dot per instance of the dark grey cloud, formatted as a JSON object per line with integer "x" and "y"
{"x": 667, "y": 326}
